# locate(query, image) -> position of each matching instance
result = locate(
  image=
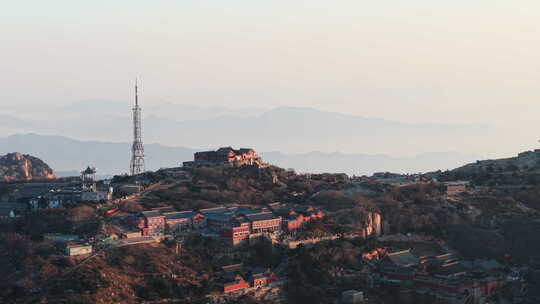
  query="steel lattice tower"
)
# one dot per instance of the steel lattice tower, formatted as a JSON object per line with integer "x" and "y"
{"x": 137, "y": 151}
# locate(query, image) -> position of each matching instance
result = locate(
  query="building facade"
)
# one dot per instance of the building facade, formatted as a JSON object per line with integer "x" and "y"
{"x": 225, "y": 157}
{"x": 153, "y": 223}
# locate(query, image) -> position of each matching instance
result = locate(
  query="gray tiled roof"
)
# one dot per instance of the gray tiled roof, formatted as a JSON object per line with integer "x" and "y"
{"x": 214, "y": 210}
{"x": 403, "y": 258}
{"x": 180, "y": 215}
{"x": 219, "y": 216}
{"x": 152, "y": 213}
{"x": 261, "y": 216}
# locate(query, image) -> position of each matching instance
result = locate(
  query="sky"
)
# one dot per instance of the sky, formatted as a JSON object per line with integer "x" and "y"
{"x": 412, "y": 61}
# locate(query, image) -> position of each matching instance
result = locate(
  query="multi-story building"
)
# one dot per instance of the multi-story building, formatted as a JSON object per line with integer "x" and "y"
{"x": 233, "y": 224}
{"x": 442, "y": 273}
{"x": 238, "y": 278}
{"x": 293, "y": 221}
{"x": 294, "y": 217}
{"x": 238, "y": 232}
{"x": 218, "y": 221}
{"x": 178, "y": 221}
{"x": 90, "y": 191}
{"x": 225, "y": 157}
{"x": 153, "y": 222}
{"x": 261, "y": 277}
{"x": 97, "y": 196}
{"x": 237, "y": 284}
{"x": 184, "y": 220}
{"x": 265, "y": 222}
{"x": 454, "y": 188}
{"x": 236, "y": 224}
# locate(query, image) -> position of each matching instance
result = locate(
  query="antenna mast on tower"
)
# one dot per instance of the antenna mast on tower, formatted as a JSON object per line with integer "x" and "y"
{"x": 137, "y": 151}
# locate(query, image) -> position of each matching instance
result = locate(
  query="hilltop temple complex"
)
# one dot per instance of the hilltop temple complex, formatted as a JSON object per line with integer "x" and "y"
{"x": 226, "y": 157}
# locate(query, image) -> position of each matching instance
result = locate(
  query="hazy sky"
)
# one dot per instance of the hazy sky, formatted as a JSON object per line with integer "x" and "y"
{"x": 411, "y": 60}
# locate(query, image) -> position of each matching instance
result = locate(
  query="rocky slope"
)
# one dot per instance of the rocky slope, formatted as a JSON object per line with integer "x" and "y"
{"x": 16, "y": 166}
{"x": 528, "y": 160}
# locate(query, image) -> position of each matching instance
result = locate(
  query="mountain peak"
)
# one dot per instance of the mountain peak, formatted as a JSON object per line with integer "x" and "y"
{"x": 16, "y": 166}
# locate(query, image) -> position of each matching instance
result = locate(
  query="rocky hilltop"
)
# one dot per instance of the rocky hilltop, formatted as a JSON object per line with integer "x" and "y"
{"x": 16, "y": 166}
{"x": 528, "y": 161}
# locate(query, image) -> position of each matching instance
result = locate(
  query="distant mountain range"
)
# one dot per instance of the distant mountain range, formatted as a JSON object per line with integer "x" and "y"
{"x": 364, "y": 164}
{"x": 66, "y": 154}
{"x": 291, "y": 129}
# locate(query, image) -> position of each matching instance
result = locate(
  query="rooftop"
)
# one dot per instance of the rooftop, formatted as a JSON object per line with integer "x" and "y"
{"x": 79, "y": 246}
{"x": 261, "y": 216}
{"x": 247, "y": 211}
{"x": 221, "y": 216}
{"x": 179, "y": 215}
{"x": 164, "y": 209}
{"x": 232, "y": 267}
{"x": 453, "y": 269}
{"x": 403, "y": 258}
{"x": 233, "y": 283}
{"x": 89, "y": 170}
{"x": 152, "y": 213}
{"x": 214, "y": 210}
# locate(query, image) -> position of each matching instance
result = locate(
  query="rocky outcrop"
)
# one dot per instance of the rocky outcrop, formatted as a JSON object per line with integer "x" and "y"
{"x": 372, "y": 225}
{"x": 21, "y": 167}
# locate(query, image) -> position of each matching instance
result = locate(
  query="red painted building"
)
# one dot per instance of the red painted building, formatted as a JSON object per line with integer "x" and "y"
{"x": 184, "y": 220}
{"x": 256, "y": 278}
{"x": 293, "y": 221}
{"x": 295, "y": 218}
{"x": 226, "y": 154}
{"x": 238, "y": 284}
{"x": 260, "y": 277}
{"x": 238, "y": 233}
{"x": 154, "y": 221}
{"x": 264, "y": 222}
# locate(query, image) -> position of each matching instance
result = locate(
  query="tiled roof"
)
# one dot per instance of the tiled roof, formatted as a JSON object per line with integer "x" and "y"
{"x": 292, "y": 217}
{"x": 481, "y": 264}
{"x": 243, "y": 150}
{"x": 152, "y": 213}
{"x": 241, "y": 220}
{"x": 403, "y": 258}
{"x": 214, "y": 210}
{"x": 232, "y": 267}
{"x": 89, "y": 170}
{"x": 233, "y": 283}
{"x": 204, "y": 152}
{"x": 258, "y": 275}
{"x": 180, "y": 215}
{"x": 451, "y": 269}
{"x": 221, "y": 216}
{"x": 164, "y": 209}
{"x": 261, "y": 216}
{"x": 247, "y": 211}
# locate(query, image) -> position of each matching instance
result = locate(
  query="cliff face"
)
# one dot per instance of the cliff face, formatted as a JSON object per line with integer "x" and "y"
{"x": 19, "y": 167}
{"x": 372, "y": 225}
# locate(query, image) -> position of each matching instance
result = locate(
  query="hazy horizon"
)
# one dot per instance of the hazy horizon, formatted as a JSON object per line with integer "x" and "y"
{"x": 407, "y": 61}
